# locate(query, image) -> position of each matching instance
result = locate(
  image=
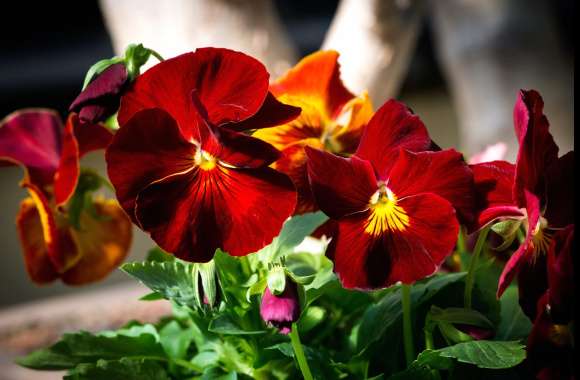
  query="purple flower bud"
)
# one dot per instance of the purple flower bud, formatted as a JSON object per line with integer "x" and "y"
{"x": 477, "y": 333}
{"x": 100, "y": 99}
{"x": 281, "y": 310}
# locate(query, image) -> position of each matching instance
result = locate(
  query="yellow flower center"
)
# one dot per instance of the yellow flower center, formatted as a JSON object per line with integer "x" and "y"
{"x": 386, "y": 214}
{"x": 541, "y": 237}
{"x": 204, "y": 160}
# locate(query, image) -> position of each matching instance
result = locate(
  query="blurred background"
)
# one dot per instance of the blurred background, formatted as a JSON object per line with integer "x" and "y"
{"x": 456, "y": 63}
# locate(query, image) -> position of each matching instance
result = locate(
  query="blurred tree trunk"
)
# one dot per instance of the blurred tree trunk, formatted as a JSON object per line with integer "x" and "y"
{"x": 490, "y": 49}
{"x": 376, "y": 40}
{"x": 177, "y": 26}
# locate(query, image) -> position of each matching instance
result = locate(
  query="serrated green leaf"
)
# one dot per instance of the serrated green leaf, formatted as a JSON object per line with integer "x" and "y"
{"x": 83, "y": 347}
{"x": 123, "y": 369}
{"x": 481, "y": 353}
{"x": 173, "y": 279}
{"x": 159, "y": 255}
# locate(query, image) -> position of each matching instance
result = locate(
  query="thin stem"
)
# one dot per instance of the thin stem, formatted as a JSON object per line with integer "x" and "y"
{"x": 156, "y": 55}
{"x": 470, "y": 280}
{"x": 299, "y": 352}
{"x": 407, "y": 327}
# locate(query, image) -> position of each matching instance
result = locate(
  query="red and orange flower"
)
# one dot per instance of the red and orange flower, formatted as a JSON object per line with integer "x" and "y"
{"x": 535, "y": 192}
{"x": 53, "y": 246}
{"x": 332, "y": 119}
{"x": 182, "y": 166}
{"x": 394, "y": 201}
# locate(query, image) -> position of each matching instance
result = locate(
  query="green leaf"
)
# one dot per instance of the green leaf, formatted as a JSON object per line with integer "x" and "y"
{"x": 311, "y": 317}
{"x": 123, "y": 369}
{"x": 175, "y": 339}
{"x": 159, "y": 255}
{"x": 514, "y": 324}
{"x": 135, "y": 57}
{"x": 293, "y": 233}
{"x": 153, "y": 296}
{"x": 481, "y": 353}
{"x": 216, "y": 373}
{"x": 460, "y": 315}
{"x": 98, "y": 68}
{"x": 224, "y": 324}
{"x": 385, "y": 314}
{"x": 83, "y": 347}
{"x": 257, "y": 288}
{"x": 173, "y": 279}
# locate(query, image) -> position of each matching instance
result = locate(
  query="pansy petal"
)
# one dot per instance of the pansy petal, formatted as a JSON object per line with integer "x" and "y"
{"x": 511, "y": 268}
{"x": 316, "y": 80}
{"x": 444, "y": 173}
{"x": 493, "y": 192}
{"x": 561, "y": 275}
{"x": 67, "y": 174}
{"x": 352, "y": 120}
{"x": 393, "y": 127}
{"x": 32, "y": 138}
{"x": 560, "y": 192}
{"x": 61, "y": 248}
{"x": 366, "y": 261}
{"x": 38, "y": 265}
{"x": 90, "y": 136}
{"x": 147, "y": 148}
{"x": 537, "y": 149}
{"x": 341, "y": 186}
{"x": 103, "y": 240}
{"x": 272, "y": 113}
{"x": 532, "y": 284}
{"x": 231, "y": 85}
{"x": 217, "y": 208}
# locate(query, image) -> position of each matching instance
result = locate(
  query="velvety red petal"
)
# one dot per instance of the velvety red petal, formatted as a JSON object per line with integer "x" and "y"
{"x": 493, "y": 192}
{"x": 103, "y": 241}
{"x": 317, "y": 77}
{"x": 293, "y": 164}
{"x": 272, "y": 113}
{"x": 523, "y": 252}
{"x": 537, "y": 147}
{"x": 38, "y": 265}
{"x": 231, "y": 85}
{"x": 60, "y": 246}
{"x": 90, "y": 136}
{"x": 364, "y": 261}
{"x": 561, "y": 275}
{"x": 32, "y": 138}
{"x": 560, "y": 192}
{"x": 532, "y": 283}
{"x": 341, "y": 186}
{"x": 194, "y": 213}
{"x": 444, "y": 173}
{"x": 147, "y": 148}
{"x": 392, "y": 127}
{"x": 67, "y": 174}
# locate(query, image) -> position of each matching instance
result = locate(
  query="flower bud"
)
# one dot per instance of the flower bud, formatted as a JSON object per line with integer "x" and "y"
{"x": 283, "y": 309}
{"x": 100, "y": 99}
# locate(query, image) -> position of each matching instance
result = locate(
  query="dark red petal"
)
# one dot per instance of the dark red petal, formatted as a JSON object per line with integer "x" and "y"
{"x": 147, "y": 148}
{"x": 194, "y": 213}
{"x": 561, "y": 275}
{"x": 103, "y": 240}
{"x": 293, "y": 164}
{"x": 67, "y": 175}
{"x": 444, "y": 173}
{"x": 523, "y": 252}
{"x": 341, "y": 186}
{"x": 392, "y": 127}
{"x": 493, "y": 192}
{"x": 90, "y": 137}
{"x": 532, "y": 283}
{"x": 537, "y": 147}
{"x": 316, "y": 76}
{"x": 272, "y": 113}
{"x": 560, "y": 192}
{"x": 231, "y": 86}
{"x": 364, "y": 261}
{"x": 97, "y": 100}
{"x": 32, "y": 138}
{"x": 30, "y": 230}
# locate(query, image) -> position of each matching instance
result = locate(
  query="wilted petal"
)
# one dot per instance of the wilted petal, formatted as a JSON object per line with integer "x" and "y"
{"x": 341, "y": 186}
{"x": 193, "y": 213}
{"x": 32, "y": 138}
{"x": 103, "y": 241}
{"x": 366, "y": 261}
{"x": 393, "y": 127}
{"x": 537, "y": 151}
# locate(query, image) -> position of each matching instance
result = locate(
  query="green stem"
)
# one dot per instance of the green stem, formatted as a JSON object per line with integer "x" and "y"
{"x": 156, "y": 55}
{"x": 299, "y": 352}
{"x": 407, "y": 326}
{"x": 470, "y": 280}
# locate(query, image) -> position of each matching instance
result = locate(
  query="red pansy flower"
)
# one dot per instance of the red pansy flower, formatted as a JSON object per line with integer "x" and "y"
{"x": 181, "y": 165}
{"x": 395, "y": 203}
{"x": 536, "y": 191}
{"x": 53, "y": 248}
{"x": 332, "y": 119}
